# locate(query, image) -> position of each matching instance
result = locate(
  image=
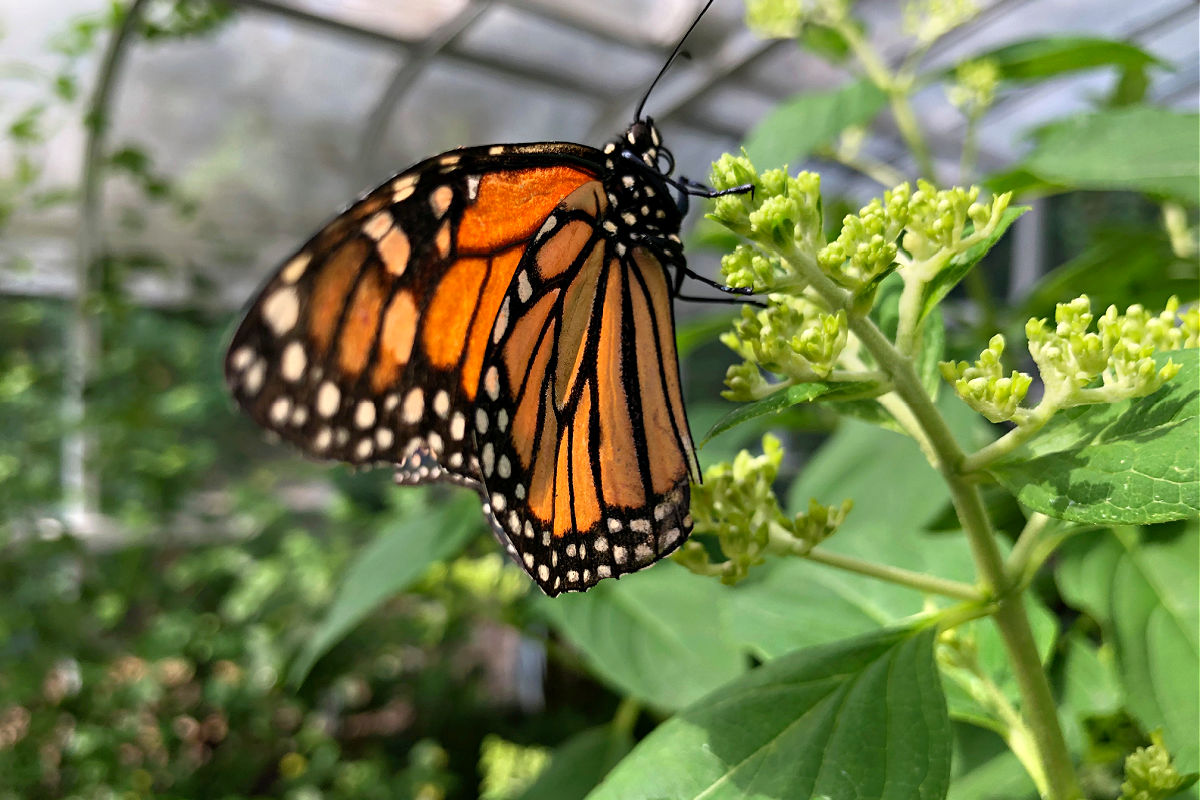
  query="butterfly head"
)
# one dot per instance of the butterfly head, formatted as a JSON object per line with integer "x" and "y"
{"x": 642, "y": 142}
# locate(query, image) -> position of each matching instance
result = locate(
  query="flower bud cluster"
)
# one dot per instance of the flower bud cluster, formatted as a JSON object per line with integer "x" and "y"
{"x": 1150, "y": 775}
{"x": 929, "y": 20}
{"x": 974, "y": 87}
{"x": 865, "y": 250}
{"x": 782, "y": 213}
{"x": 792, "y": 336}
{"x": 937, "y": 221}
{"x": 737, "y": 504}
{"x": 985, "y": 387}
{"x": 1120, "y": 351}
{"x": 784, "y": 19}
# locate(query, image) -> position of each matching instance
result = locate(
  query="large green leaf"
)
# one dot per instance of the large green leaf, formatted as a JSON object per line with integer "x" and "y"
{"x": 1037, "y": 59}
{"x": 658, "y": 635}
{"x": 579, "y": 764}
{"x": 859, "y": 718}
{"x": 802, "y": 124}
{"x": 1133, "y": 462}
{"x": 984, "y": 768}
{"x": 386, "y": 566}
{"x": 964, "y": 262}
{"x": 1122, "y": 264}
{"x": 1147, "y": 597}
{"x": 1139, "y": 148}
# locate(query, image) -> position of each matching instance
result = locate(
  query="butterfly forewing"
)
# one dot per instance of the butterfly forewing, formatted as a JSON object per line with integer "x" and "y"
{"x": 366, "y": 346}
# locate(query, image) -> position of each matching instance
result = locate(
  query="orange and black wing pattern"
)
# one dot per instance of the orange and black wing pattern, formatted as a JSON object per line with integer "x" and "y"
{"x": 499, "y": 317}
{"x": 366, "y": 346}
{"x": 584, "y": 447}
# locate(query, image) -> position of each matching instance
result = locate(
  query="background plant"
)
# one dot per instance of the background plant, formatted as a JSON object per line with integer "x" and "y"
{"x": 271, "y": 631}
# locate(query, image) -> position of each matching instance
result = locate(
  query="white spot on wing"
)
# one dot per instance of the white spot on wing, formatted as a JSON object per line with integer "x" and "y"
{"x": 364, "y": 414}
{"x": 441, "y": 403}
{"x": 328, "y": 399}
{"x": 292, "y": 365}
{"x": 281, "y": 310}
{"x": 501, "y": 324}
{"x": 491, "y": 383}
{"x": 414, "y": 406}
{"x": 295, "y": 268}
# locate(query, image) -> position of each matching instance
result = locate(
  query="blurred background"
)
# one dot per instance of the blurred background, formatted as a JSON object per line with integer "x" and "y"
{"x": 174, "y": 612}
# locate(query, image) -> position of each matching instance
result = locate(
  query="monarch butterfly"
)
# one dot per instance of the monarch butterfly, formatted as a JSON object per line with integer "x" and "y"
{"x": 499, "y": 317}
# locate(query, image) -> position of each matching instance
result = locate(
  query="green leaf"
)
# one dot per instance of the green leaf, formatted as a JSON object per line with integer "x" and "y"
{"x": 1146, "y": 596}
{"x": 797, "y": 127}
{"x": 657, "y": 635}
{"x": 859, "y": 718}
{"x": 386, "y": 566}
{"x": 1001, "y": 778}
{"x": 827, "y": 42}
{"x": 790, "y": 603}
{"x": 984, "y": 768}
{"x": 1122, "y": 264}
{"x": 1131, "y": 463}
{"x": 784, "y": 399}
{"x": 579, "y": 764}
{"x": 965, "y": 261}
{"x": 1038, "y": 59}
{"x": 1090, "y": 686}
{"x": 1139, "y": 148}
{"x": 1022, "y": 183}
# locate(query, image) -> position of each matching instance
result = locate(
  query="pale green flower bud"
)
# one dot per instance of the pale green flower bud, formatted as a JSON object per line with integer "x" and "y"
{"x": 746, "y": 383}
{"x": 1149, "y": 773}
{"x": 974, "y": 89}
{"x": 929, "y": 20}
{"x": 1121, "y": 351}
{"x": 737, "y": 504}
{"x": 984, "y": 386}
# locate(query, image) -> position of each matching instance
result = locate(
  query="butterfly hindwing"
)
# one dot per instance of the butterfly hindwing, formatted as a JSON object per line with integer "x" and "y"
{"x": 583, "y": 442}
{"x": 366, "y": 345}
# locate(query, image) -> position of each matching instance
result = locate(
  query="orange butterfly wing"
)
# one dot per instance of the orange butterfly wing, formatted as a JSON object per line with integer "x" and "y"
{"x": 367, "y": 345}
{"x": 499, "y": 317}
{"x": 584, "y": 447}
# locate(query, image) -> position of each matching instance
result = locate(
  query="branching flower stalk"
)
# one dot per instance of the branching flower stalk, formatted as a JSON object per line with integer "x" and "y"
{"x": 842, "y": 278}
{"x": 926, "y": 21}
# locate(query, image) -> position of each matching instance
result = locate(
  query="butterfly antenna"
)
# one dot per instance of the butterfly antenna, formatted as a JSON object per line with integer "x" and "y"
{"x": 637, "y": 115}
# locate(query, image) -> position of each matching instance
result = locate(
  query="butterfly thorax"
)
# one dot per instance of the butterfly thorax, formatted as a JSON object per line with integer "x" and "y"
{"x": 641, "y": 205}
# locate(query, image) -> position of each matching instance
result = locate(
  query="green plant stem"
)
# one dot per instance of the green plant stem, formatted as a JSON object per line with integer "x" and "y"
{"x": 1010, "y": 617}
{"x": 626, "y": 717}
{"x": 970, "y": 148}
{"x": 1029, "y": 425}
{"x": 929, "y": 584}
{"x": 1027, "y": 543}
{"x": 882, "y": 173}
{"x": 897, "y": 91}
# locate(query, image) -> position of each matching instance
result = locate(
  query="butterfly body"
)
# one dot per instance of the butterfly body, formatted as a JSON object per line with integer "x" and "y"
{"x": 499, "y": 317}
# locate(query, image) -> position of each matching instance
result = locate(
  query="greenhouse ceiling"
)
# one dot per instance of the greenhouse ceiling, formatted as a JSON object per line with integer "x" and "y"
{"x": 272, "y": 120}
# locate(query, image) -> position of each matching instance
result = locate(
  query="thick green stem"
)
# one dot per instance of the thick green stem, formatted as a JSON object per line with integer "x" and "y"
{"x": 1010, "y": 617}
